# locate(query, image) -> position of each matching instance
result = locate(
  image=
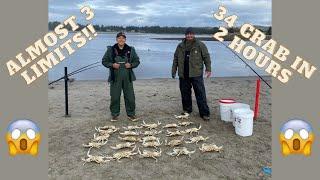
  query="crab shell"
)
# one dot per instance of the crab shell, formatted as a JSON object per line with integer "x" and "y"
{"x": 174, "y": 133}
{"x": 185, "y": 151}
{"x": 101, "y": 137}
{"x": 146, "y": 153}
{"x": 151, "y": 144}
{"x": 132, "y": 127}
{"x": 94, "y": 144}
{"x": 151, "y": 126}
{"x": 150, "y": 138}
{"x": 130, "y": 138}
{"x": 151, "y": 133}
{"x": 151, "y": 154}
{"x": 123, "y": 145}
{"x": 124, "y": 154}
{"x": 96, "y": 159}
{"x": 170, "y": 126}
{"x": 197, "y": 139}
{"x": 107, "y": 127}
{"x": 210, "y": 148}
{"x": 179, "y": 151}
{"x": 174, "y": 143}
{"x": 185, "y": 123}
{"x": 130, "y": 133}
{"x": 192, "y": 130}
{"x": 106, "y": 131}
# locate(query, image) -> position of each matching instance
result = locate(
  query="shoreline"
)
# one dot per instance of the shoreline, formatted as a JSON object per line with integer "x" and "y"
{"x": 201, "y": 37}
{"x": 268, "y": 78}
{"x": 226, "y": 38}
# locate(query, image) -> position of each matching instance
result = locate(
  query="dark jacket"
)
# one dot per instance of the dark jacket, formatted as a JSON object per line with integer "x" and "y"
{"x": 108, "y": 60}
{"x": 199, "y": 55}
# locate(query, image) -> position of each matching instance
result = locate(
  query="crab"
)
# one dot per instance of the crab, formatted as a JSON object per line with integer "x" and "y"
{"x": 175, "y": 133}
{"x": 210, "y": 148}
{"x": 130, "y": 138}
{"x": 150, "y": 138}
{"x": 150, "y": 126}
{"x": 196, "y": 139}
{"x": 101, "y": 137}
{"x": 184, "y": 116}
{"x": 150, "y": 154}
{"x": 170, "y": 126}
{"x": 95, "y": 144}
{"x": 132, "y": 128}
{"x": 123, "y": 154}
{"x": 181, "y": 150}
{"x": 174, "y": 142}
{"x": 106, "y": 129}
{"x": 154, "y": 144}
{"x": 96, "y": 159}
{"x": 123, "y": 145}
{"x": 192, "y": 130}
{"x": 130, "y": 133}
{"x": 186, "y": 123}
{"x": 151, "y": 133}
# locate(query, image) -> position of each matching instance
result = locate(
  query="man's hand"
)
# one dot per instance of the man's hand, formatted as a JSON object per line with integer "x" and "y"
{"x": 128, "y": 65}
{"x": 116, "y": 65}
{"x": 207, "y": 74}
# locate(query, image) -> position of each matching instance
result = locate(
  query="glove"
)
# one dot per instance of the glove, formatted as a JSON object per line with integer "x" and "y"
{"x": 173, "y": 76}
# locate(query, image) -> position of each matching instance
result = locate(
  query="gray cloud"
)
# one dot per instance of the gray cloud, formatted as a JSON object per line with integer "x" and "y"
{"x": 163, "y": 12}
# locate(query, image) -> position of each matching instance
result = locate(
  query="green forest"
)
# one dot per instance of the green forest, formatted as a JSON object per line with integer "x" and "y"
{"x": 160, "y": 30}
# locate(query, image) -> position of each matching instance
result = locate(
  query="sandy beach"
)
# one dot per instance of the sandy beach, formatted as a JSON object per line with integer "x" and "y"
{"x": 157, "y": 100}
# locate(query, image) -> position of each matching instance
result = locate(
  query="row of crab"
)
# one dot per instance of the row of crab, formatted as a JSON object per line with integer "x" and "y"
{"x": 177, "y": 151}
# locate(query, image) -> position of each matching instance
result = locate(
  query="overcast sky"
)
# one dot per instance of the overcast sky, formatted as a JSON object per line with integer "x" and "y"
{"x": 163, "y": 12}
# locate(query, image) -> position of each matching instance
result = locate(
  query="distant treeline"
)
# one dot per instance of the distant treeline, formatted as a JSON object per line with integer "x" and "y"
{"x": 160, "y": 30}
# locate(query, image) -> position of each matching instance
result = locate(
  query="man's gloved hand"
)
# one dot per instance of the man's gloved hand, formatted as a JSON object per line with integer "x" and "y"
{"x": 208, "y": 74}
{"x": 128, "y": 65}
{"x": 116, "y": 65}
{"x": 173, "y": 76}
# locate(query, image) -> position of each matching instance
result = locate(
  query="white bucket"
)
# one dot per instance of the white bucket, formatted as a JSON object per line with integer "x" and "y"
{"x": 243, "y": 122}
{"x": 237, "y": 106}
{"x": 225, "y": 105}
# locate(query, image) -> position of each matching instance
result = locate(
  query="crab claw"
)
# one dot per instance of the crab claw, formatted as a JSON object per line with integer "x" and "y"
{"x": 134, "y": 148}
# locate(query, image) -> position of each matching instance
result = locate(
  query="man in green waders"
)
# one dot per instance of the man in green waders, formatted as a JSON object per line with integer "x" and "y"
{"x": 121, "y": 59}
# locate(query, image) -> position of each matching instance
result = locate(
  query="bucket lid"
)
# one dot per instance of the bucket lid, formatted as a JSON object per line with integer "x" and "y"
{"x": 227, "y": 101}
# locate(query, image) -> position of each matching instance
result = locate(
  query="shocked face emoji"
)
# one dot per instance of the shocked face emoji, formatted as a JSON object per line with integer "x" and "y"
{"x": 23, "y": 137}
{"x": 296, "y": 137}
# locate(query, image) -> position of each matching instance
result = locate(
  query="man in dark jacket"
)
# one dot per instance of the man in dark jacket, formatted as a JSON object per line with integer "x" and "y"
{"x": 189, "y": 58}
{"x": 121, "y": 59}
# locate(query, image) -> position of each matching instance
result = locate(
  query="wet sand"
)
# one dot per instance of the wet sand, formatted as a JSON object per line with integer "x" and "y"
{"x": 157, "y": 100}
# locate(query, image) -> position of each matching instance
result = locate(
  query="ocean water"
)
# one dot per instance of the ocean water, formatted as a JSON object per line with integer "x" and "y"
{"x": 155, "y": 56}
